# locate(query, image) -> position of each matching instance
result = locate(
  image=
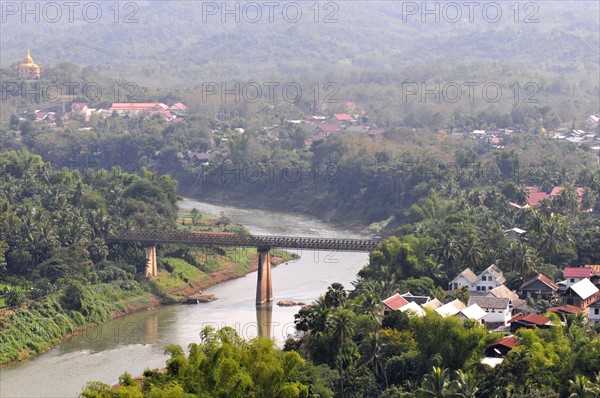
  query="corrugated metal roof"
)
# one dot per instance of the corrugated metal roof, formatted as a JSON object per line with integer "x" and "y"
{"x": 584, "y": 288}
{"x": 489, "y": 302}
{"x": 473, "y": 312}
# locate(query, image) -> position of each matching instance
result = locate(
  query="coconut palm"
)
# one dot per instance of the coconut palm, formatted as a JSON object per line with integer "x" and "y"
{"x": 436, "y": 384}
{"x": 581, "y": 387}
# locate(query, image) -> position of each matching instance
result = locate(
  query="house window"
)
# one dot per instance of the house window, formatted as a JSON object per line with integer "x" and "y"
{"x": 478, "y": 288}
{"x": 572, "y": 280}
{"x": 596, "y": 311}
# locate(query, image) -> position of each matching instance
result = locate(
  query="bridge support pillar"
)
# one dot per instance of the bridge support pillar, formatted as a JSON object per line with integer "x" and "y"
{"x": 151, "y": 268}
{"x": 264, "y": 286}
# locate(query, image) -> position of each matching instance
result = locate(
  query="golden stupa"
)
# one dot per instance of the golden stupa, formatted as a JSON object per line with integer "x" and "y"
{"x": 28, "y": 69}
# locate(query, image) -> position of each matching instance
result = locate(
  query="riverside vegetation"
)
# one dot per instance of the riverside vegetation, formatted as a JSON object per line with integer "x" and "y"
{"x": 58, "y": 273}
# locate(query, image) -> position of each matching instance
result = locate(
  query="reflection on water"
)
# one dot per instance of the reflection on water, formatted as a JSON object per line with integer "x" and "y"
{"x": 264, "y": 319}
{"x": 137, "y": 341}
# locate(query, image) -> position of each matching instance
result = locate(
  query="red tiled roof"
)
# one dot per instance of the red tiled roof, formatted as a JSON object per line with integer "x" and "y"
{"x": 179, "y": 106}
{"x": 556, "y": 191}
{"x": 577, "y": 272}
{"x": 395, "y": 302}
{"x": 534, "y": 319}
{"x": 509, "y": 342}
{"x": 328, "y": 127}
{"x": 571, "y": 309}
{"x": 542, "y": 278}
{"x": 534, "y": 198}
{"x": 342, "y": 116}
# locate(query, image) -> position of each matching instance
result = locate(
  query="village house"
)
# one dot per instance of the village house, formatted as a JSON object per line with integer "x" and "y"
{"x": 488, "y": 279}
{"x": 581, "y": 294}
{"x": 502, "y": 291}
{"x": 451, "y": 308}
{"x": 536, "y": 195}
{"x": 398, "y": 303}
{"x": 539, "y": 288}
{"x": 595, "y": 275}
{"x": 593, "y": 313}
{"x": 178, "y": 108}
{"x": 433, "y": 304}
{"x": 565, "y": 310}
{"x": 529, "y": 321}
{"x": 420, "y": 300}
{"x": 497, "y": 310}
{"x": 514, "y": 233}
{"x": 393, "y": 303}
{"x": 414, "y": 308}
{"x": 501, "y": 348}
{"x": 324, "y": 129}
{"x": 573, "y": 275}
{"x": 473, "y": 312}
{"x": 341, "y": 119}
{"x": 466, "y": 278}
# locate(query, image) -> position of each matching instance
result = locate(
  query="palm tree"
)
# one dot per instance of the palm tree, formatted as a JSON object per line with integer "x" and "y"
{"x": 436, "y": 384}
{"x": 581, "y": 387}
{"x": 342, "y": 326}
{"x": 554, "y": 236}
{"x": 372, "y": 346}
{"x": 465, "y": 385}
{"x": 336, "y": 295}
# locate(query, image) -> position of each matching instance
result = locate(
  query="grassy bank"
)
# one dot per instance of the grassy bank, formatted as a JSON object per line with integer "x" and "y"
{"x": 39, "y": 325}
{"x": 36, "y": 327}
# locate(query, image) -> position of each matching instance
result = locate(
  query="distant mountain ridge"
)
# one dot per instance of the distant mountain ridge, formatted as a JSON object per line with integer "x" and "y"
{"x": 179, "y": 40}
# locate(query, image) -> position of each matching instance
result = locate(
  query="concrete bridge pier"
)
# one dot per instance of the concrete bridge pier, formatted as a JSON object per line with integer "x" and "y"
{"x": 264, "y": 285}
{"x": 151, "y": 268}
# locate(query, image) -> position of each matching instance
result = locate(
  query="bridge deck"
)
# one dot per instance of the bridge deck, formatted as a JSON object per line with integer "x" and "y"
{"x": 262, "y": 241}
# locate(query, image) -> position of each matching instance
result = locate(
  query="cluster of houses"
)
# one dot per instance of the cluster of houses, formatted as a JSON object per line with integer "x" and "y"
{"x": 501, "y": 309}
{"x": 580, "y": 137}
{"x": 320, "y": 127}
{"x": 82, "y": 111}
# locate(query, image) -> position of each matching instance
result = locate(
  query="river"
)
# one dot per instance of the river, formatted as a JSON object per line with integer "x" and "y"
{"x": 137, "y": 341}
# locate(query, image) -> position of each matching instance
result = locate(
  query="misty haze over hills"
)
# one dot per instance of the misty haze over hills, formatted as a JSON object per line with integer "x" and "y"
{"x": 171, "y": 42}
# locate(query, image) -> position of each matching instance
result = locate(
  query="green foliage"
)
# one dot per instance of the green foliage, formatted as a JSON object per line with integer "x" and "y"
{"x": 225, "y": 365}
{"x": 47, "y": 320}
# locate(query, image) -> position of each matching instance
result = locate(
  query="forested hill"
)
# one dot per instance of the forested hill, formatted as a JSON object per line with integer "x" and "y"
{"x": 183, "y": 41}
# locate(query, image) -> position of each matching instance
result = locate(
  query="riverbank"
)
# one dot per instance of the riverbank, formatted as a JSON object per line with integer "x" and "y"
{"x": 40, "y": 326}
{"x": 266, "y": 203}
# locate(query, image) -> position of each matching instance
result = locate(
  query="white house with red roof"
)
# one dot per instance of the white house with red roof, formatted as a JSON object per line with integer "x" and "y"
{"x": 394, "y": 303}
{"x": 574, "y": 275}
